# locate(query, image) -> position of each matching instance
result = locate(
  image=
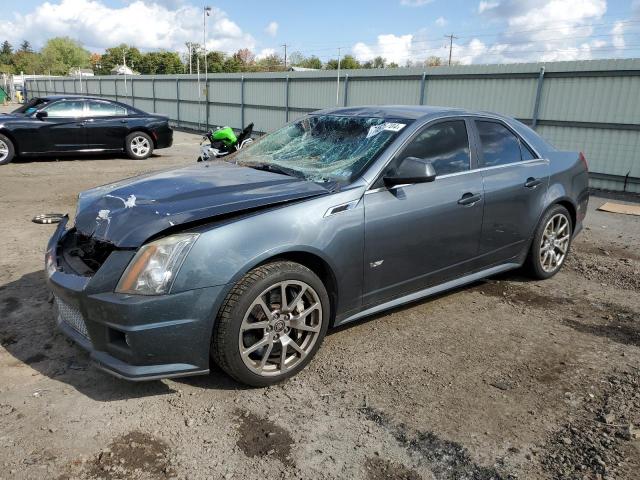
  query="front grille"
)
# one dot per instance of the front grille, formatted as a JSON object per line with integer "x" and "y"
{"x": 72, "y": 317}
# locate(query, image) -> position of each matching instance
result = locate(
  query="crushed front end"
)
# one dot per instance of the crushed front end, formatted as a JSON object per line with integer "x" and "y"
{"x": 137, "y": 337}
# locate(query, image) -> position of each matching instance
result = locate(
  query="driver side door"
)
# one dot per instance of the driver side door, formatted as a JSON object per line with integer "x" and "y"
{"x": 62, "y": 130}
{"x": 423, "y": 234}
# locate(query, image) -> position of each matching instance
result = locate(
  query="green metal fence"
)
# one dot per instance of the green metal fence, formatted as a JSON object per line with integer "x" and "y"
{"x": 593, "y": 106}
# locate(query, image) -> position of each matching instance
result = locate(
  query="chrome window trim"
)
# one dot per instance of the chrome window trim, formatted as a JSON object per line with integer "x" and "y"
{"x": 482, "y": 169}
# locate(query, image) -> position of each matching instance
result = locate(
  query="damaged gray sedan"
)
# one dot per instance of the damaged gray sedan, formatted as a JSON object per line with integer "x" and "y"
{"x": 339, "y": 215}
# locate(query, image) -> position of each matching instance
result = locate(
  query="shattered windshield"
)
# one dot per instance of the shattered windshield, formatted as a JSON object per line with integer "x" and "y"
{"x": 322, "y": 147}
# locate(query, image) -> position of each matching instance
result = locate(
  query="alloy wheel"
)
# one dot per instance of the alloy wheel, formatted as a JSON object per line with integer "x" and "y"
{"x": 140, "y": 146}
{"x": 554, "y": 243}
{"x": 4, "y": 151}
{"x": 280, "y": 328}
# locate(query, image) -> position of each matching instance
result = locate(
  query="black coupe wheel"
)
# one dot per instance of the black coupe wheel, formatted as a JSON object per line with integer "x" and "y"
{"x": 551, "y": 243}
{"x": 7, "y": 150}
{"x": 271, "y": 324}
{"x": 139, "y": 145}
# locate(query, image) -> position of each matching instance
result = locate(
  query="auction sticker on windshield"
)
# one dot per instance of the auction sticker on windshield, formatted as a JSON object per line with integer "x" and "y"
{"x": 387, "y": 126}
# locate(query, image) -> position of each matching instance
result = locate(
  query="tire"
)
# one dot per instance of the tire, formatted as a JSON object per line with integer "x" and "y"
{"x": 7, "y": 150}
{"x": 138, "y": 145}
{"x": 279, "y": 328}
{"x": 545, "y": 259}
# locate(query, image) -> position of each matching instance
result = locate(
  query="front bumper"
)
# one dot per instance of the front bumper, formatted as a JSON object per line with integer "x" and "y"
{"x": 132, "y": 336}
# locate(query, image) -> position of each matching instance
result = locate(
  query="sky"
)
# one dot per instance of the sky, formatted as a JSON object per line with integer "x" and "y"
{"x": 487, "y": 31}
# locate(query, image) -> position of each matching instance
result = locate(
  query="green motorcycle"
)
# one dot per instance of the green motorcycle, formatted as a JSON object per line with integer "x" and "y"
{"x": 223, "y": 141}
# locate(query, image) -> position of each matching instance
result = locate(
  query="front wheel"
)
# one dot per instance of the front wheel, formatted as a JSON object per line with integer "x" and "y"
{"x": 7, "y": 150}
{"x": 551, "y": 243}
{"x": 138, "y": 145}
{"x": 271, "y": 324}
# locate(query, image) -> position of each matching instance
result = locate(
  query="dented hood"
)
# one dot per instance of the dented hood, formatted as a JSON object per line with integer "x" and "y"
{"x": 128, "y": 212}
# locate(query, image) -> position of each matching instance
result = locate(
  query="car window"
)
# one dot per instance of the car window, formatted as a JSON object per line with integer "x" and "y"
{"x": 65, "y": 108}
{"x": 445, "y": 145}
{"x": 499, "y": 145}
{"x": 105, "y": 109}
{"x": 525, "y": 153}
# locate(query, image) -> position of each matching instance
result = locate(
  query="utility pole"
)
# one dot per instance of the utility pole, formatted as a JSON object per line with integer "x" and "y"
{"x": 205, "y": 13}
{"x": 190, "y": 47}
{"x": 451, "y": 38}
{"x": 285, "y": 55}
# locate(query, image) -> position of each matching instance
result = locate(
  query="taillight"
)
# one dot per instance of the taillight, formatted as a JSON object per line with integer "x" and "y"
{"x": 583, "y": 159}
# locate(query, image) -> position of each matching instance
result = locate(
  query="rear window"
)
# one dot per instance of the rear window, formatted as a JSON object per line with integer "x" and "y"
{"x": 499, "y": 145}
{"x": 105, "y": 109}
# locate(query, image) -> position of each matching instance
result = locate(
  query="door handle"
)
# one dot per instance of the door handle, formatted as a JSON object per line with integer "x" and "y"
{"x": 469, "y": 199}
{"x": 532, "y": 182}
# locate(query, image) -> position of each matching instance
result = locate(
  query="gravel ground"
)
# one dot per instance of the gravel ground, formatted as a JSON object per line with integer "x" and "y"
{"x": 507, "y": 378}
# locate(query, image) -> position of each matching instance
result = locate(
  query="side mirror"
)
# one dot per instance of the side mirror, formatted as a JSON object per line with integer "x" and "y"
{"x": 41, "y": 114}
{"x": 411, "y": 170}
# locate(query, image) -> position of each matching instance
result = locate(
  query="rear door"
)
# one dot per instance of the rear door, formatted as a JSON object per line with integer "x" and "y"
{"x": 423, "y": 234}
{"x": 515, "y": 187}
{"x": 63, "y": 127}
{"x": 105, "y": 125}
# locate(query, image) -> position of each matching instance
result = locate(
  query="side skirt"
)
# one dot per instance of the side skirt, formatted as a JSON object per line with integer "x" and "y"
{"x": 428, "y": 292}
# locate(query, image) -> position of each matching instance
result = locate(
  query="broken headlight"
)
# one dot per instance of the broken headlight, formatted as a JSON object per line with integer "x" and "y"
{"x": 152, "y": 270}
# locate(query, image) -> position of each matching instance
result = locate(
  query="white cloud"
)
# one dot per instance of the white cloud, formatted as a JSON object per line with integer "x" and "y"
{"x": 393, "y": 48}
{"x": 272, "y": 29}
{"x": 414, "y": 3}
{"x": 147, "y": 24}
{"x": 441, "y": 21}
{"x": 265, "y": 52}
{"x": 618, "y": 35}
{"x": 486, "y": 5}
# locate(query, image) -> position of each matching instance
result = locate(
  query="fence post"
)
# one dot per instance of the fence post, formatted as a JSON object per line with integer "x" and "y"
{"x": 206, "y": 105}
{"x": 242, "y": 102}
{"x": 423, "y": 82}
{"x": 177, "y": 101}
{"x": 153, "y": 93}
{"x": 100, "y": 87}
{"x": 346, "y": 89}
{"x": 286, "y": 99}
{"x": 115, "y": 87}
{"x": 133, "y": 101}
{"x": 536, "y": 104}
{"x": 75, "y": 86}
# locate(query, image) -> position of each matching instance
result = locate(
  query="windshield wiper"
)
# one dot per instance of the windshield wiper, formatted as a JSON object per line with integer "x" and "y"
{"x": 268, "y": 167}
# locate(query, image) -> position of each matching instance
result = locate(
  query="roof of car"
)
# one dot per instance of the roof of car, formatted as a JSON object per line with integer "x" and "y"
{"x": 404, "y": 112}
{"x": 59, "y": 97}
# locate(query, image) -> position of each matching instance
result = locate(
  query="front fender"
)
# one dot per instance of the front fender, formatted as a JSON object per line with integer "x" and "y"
{"x": 225, "y": 252}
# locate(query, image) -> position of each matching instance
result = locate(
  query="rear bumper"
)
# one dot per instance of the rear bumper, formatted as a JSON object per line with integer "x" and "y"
{"x": 132, "y": 336}
{"x": 163, "y": 137}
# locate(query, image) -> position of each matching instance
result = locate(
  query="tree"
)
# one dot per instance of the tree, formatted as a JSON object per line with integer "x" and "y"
{"x": 6, "y": 48}
{"x": 28, "y": 63}
{"x": 6, "y": 52}
{"x": 349, "y": 62}
{"x": 393, "y": 65}
{"x": 311, "y": 62}
{"x": 271, "y": 63}
{"x": 160, "y": 63}
{"x": 245, "y": 56}
{"x": 433, "y": 61}
{"x": 379, "y": 62}
{"x": 95, "y": 59}
{"x": 114, "y": 56}
{"x": 61, "y": 54}
{"x": 25, "y": 46}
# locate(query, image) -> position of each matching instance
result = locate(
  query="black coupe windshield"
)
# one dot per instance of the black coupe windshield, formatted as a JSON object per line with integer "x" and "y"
{"x": 31, "y": 106}
{"x": 323, "y": 147}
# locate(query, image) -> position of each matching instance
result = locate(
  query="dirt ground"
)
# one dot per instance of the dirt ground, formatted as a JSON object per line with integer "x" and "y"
{"x": 507, "y": 378}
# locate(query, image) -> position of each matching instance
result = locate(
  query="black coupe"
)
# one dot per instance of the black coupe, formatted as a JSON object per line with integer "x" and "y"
{"x": 60, "y": 124}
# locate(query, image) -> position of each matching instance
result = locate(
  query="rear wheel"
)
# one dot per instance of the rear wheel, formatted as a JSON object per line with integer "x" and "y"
{"x": 7, "y": 150}
{"x": 139, "y": 145}
{"x": 551, "y": 243}
{"x": 271, "y": 324}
